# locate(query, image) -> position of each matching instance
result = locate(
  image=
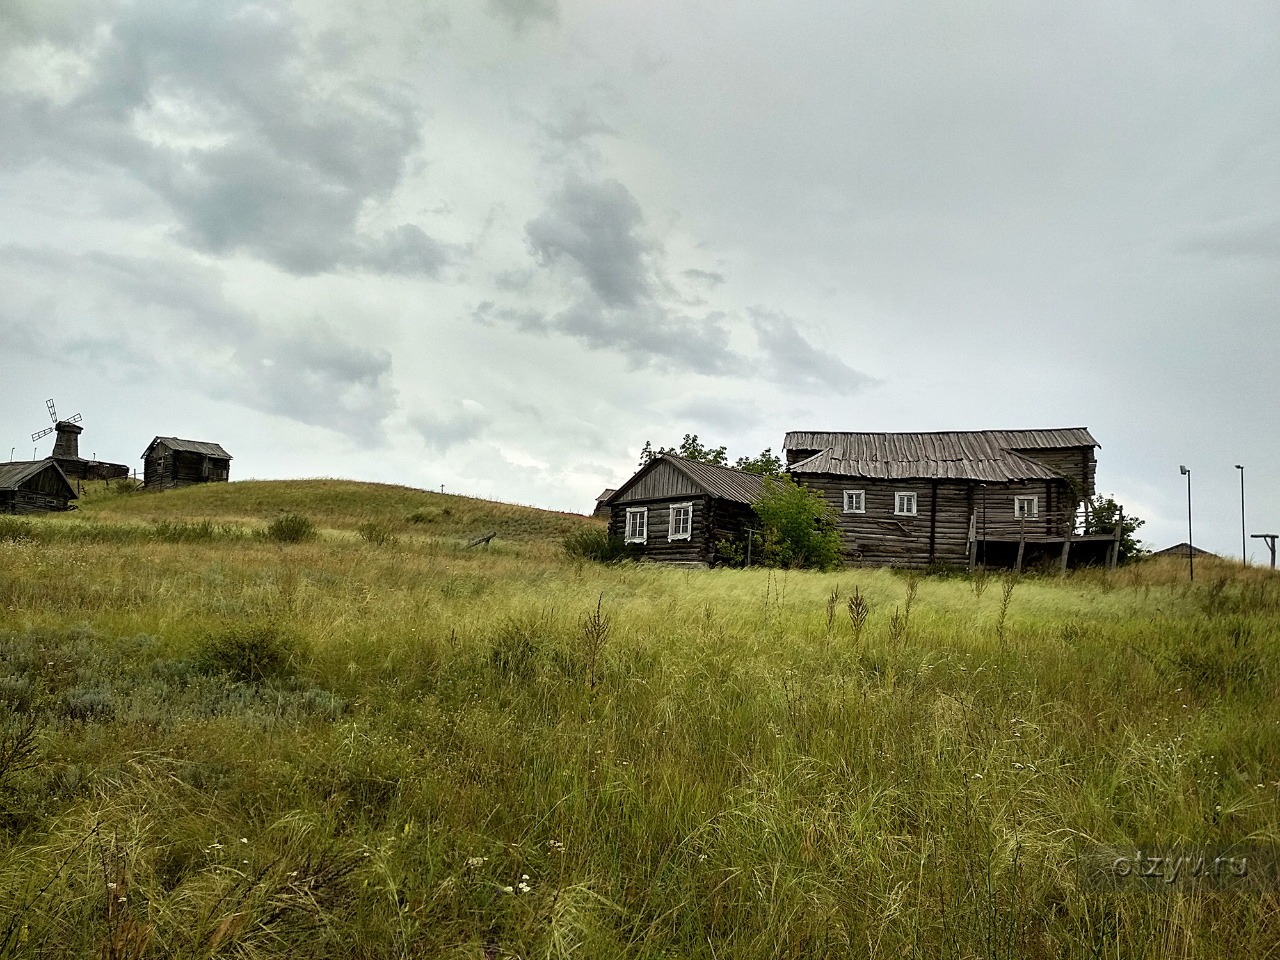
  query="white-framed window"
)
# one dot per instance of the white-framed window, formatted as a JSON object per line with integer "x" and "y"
{"x": 855, "y": 501}
{"x": 637, "y": 524}
{"x": 681, "y": 526}
{"x": 1026, "y": 508}
{"x": 904, "y": 504}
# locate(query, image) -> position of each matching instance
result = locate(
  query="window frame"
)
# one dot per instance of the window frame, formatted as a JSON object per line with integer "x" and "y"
{"x": 1034, "y": 514}
{"x": 643, "y": 514}
{"x": 897, "y": 503}
{"x": 672, "y": 536}
{"x": 861, "y": 501}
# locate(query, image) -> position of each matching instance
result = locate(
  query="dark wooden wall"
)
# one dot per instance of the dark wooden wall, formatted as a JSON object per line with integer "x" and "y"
{"x": 939, "y": 532}
{"x": 37, "y": 494}
{"x": 1078, "y": 463}
{"x": 713, "y": 520}
{"x": 164, "y": 468}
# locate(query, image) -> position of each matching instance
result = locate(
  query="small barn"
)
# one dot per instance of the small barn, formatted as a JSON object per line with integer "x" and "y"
{"x": 171, "y": 462}
{"x": 1182, "y": 550}
{"x": 677, "y": 510}
{"x": 602, "y": 503}
{"x": 34, "y": 486}
{"x": 989, "y": 497}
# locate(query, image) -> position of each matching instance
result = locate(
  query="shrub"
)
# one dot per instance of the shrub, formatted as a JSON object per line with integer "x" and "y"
{"x": 378, "y": 534}
{"x": 798, "y": 527}
{"x": 598, "y": 545}
{"x": 249, "y": 653}
{"x": 11, "y": 528}
{"x": 291, "y": 528}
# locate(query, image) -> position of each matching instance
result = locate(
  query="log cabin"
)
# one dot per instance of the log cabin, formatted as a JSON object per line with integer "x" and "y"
{"x": 676, "y": 510}
{"x": 979, "y": 497}
{"x": 34, "y": 486}
{"x": 170, "y": 462}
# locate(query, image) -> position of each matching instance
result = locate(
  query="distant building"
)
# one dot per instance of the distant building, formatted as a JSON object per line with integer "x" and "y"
{"x": 34, "y": 486}
{"x": 602, "y": 504}
{"x": 66, "y": 451}
{"x": 170, "y": 462}
{"x": 989, "y": 497}
{"x": 1182, "y": 550}
{"x": 677, "y": 510}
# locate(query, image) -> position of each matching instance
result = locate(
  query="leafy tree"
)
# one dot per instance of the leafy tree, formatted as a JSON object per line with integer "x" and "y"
{"x": 691, "y": 448}
{"x": 1102, "y": 517}
{"x": 797, "y": 526}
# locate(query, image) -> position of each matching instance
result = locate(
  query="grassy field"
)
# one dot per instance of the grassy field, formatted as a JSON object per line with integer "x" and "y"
{"x": 384, "y": 743}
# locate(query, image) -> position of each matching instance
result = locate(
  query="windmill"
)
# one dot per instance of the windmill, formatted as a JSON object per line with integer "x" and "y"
{"x": 67, "y": 446}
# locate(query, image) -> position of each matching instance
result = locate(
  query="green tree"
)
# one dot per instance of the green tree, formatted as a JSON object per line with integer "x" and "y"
{"x": 691, "y": 448}
{"x": 1102, "y": 517}
{"x": 797, "y": 525}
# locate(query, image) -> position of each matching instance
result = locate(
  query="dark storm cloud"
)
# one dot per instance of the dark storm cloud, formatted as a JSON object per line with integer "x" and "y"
{"x": 141, "y": 318}
{"x": 594, "y": 228}
{"x": 216, "y": 108}
{"x": 654, "y": 336}
{"x": 523, "y": 13}
{"x": 796, "y": 362}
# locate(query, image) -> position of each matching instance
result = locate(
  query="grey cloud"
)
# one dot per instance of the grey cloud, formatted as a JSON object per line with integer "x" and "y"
{"x": 708, "y": 277}
{"x": 594, "y": 226}
{"x": 452, "y": 423}
{"x": 577, "y": 123}
{"x": 796, "y": 362}
{"x": 136, "y": 317}
{"x": 522, "y": 13}
{"x": 652, "y": 336}
{"x": 215, "y": 107}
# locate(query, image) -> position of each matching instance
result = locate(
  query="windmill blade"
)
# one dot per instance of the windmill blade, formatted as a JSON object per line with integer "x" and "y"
{"x": 75, "y": 419}
{"x": 43, "y": 433}
{"x": 53, "y": 411}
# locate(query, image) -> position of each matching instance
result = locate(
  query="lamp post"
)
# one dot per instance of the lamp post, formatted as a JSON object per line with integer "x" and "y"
{"x": 1244, "y": 546}
{"x": 1191, "y": 550}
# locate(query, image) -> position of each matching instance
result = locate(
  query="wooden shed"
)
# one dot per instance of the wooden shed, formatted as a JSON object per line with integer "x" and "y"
{"x": 171, "y": 462}
{"x": 34, "y": 486}
{"x": 676, "y": 510}
{"x": 991, "y": 497}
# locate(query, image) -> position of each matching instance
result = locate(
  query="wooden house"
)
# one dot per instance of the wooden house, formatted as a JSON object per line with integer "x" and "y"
{"x": 171, "y": 462}
{"x": 677, "y": 510}
{"x": 602, "y": 503}
{"x": 990, "y": 497}
{"x": 34, "y": 486}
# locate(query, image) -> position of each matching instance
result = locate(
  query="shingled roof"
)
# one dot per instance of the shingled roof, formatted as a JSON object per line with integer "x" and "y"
{"x": 989, "y": 456}
{"x": 723, "y": 482}
{"x": 189, "y": 446}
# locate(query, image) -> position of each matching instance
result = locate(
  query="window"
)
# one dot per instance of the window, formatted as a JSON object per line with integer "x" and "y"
{"x": 637, "y": 524}
{"x": 904, "y": 504}
{"x": 855, "y": 501}
{"x": 1026, "y": 508}
{"x": 681, "y": 527}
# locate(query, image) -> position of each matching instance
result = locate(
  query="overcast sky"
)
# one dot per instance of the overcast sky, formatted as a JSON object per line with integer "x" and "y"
{"x": 498, "y": 244}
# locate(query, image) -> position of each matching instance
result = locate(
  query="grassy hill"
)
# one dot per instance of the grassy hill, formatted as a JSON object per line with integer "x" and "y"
{"x": 214, "y": 744}
{"x": 335, "y": 504}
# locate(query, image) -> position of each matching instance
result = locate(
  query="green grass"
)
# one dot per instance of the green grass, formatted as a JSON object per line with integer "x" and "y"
{"x": 363, "y": 746}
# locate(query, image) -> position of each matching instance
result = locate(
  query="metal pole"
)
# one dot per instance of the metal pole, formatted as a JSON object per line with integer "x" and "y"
{"x": 1191, "y": 550}
{"x": 1244, "y": 547}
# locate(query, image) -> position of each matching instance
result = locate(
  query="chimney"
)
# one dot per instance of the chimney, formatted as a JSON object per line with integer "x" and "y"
{"x": 67, "y": 444}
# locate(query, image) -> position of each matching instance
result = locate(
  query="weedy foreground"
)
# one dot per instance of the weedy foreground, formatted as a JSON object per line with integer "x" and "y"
{"x": 366, "y": 739}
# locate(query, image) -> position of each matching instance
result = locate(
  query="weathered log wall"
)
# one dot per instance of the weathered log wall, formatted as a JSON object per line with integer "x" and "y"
{"x": 713, "y": 520}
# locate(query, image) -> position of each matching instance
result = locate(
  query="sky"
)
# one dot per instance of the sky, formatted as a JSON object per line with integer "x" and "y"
{"x": 496, "y": 245}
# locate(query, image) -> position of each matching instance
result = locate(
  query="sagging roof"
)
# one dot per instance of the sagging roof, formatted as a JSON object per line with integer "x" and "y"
{"x": 17, "y": 472}
{"x": 606, "y": 494}
{"x": 723, "y": 482}
{"x": 189, "y": 446}
{"x": 989, "y": 456}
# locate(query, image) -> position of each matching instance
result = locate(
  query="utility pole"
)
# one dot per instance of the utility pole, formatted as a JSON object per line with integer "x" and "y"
{"x": 1244, "y": 547}
{"x": 1191, "y": 550}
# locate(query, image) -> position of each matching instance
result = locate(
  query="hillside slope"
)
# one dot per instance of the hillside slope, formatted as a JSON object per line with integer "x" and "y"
{"x": 337, "y": 504}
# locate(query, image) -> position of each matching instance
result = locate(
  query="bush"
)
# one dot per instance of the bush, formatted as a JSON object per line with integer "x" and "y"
{"x": 378, "y": 534}
{"x": 599, "y": 546}
{"x": 11, "y": 528}
{"x": 291, "y": 528}
{"x": 250, "y": 653}
{"x": 797, "y": 527}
